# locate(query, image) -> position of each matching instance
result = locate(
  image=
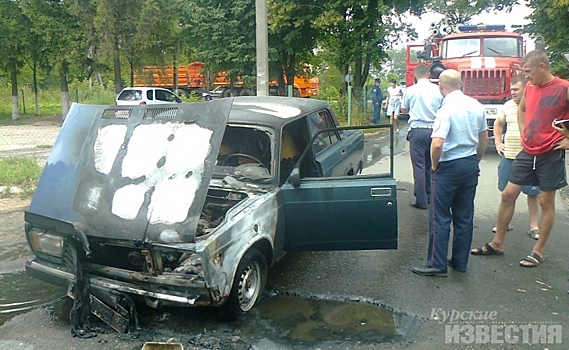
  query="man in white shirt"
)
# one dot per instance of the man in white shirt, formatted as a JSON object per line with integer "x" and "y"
{"x": 421, "y": 101}
{"x": 459, "y": 140}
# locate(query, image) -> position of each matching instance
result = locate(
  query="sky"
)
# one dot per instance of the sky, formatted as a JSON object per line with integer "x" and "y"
{"x": 515, "y": 17}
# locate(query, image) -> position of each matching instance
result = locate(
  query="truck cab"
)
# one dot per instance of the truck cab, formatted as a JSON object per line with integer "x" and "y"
{"x": 487, "y": 57}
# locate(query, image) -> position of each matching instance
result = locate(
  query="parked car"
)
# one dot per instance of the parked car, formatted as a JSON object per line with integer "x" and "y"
{"x": 217, "y": 92}
{"x": 191, "y": 204}
{"x": 133, "y": 96}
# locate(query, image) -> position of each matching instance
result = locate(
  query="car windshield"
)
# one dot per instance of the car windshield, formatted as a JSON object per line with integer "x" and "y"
{"x": 464, "y": 47}
{"x": 246, "y": 154}
{"x": 502, "y": 47}
{"x": 492, "y": 47}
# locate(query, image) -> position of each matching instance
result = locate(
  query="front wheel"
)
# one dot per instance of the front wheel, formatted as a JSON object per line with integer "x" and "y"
{"x": 248, "y": 284}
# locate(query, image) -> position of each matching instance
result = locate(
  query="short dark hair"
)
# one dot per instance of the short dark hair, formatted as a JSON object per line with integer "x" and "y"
{"x": 393, "y": 81}
{"x": 520, "y": 78}
{"x": 422, "y": 71}
{"x": 536, "y": 57}
{"x": 377, "y": 80}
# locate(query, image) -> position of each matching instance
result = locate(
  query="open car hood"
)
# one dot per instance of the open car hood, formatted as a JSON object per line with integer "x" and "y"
{"x": 135, "y": 173}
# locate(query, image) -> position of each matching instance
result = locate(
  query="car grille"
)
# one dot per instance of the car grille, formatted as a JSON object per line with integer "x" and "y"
{"x": 483, "y": 83}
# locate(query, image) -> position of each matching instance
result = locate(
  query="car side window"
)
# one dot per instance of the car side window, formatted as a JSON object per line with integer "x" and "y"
{"x": 295, "y": 138}
{"x": 319, "y": 121}
{"x": 150, "y": 95}
{"x": 161, "y": 95}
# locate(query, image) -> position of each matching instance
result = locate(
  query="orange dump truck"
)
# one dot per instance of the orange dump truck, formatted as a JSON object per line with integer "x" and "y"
{"x": 192, "y": 78}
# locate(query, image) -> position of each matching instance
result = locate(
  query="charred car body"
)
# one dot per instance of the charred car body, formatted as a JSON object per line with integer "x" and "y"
{"x": 191, "y": 204}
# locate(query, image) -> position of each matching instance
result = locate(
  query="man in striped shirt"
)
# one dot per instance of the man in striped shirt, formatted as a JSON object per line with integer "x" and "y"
{"x": 510, "y": 148}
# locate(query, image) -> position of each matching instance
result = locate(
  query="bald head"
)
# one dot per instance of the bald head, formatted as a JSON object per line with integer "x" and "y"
{"x": 449, "y": 81}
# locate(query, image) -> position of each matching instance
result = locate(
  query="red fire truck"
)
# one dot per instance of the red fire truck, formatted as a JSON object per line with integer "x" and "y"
{"x": 487, "y": 57}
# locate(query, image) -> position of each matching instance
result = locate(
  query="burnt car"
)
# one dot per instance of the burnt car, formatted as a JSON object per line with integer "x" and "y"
{"x": 191, "y": 204}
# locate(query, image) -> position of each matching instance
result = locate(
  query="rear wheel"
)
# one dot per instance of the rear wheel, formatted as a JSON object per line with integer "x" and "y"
{"x": 248, "y": 284}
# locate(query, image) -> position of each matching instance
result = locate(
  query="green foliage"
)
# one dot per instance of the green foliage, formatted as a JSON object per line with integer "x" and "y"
{"x": 224, "y": 34}
{"x": 461, "y": 11}
{"x": 395, "y": 63}
{"x": 50, "y": 100}
{"x": 21, "y": 172}
{"x": 549, "y": 20}
{"x": 95, "y": 94}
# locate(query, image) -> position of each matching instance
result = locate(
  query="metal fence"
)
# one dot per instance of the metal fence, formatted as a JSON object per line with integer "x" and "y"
{"x": 28, "y": 141}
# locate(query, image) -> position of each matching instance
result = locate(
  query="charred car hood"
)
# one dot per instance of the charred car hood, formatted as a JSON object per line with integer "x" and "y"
{"x": 135, "y": 173}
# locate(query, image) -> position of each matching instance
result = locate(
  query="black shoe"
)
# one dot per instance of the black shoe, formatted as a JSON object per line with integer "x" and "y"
{"x": 429, "y": 271}
{"x": 414, "y": 205}
{"x": 457, "y": 269}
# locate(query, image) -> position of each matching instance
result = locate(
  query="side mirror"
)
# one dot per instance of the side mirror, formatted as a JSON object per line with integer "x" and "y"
{"x": 427, "y": 52}
{"x": 294, "y": 177}
{"x": 179, "y": 100}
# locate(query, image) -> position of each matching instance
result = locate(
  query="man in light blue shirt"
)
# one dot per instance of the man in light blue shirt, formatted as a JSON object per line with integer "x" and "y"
{"x": 459, "y": 140}
{"x": 421, "y": 101}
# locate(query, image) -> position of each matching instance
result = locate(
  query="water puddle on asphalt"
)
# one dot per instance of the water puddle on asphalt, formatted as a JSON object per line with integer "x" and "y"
{"x": 297, "y": 320}
{"x": 20, "y": 293}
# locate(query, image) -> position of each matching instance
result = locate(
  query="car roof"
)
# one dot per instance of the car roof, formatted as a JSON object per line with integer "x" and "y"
{"x": 143, "y": 88}
{"x": 272, "y": 110}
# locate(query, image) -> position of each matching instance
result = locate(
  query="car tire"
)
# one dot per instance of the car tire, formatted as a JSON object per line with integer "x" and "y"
{"x": 226, "y": 93}
{"x": 248, "y": 285}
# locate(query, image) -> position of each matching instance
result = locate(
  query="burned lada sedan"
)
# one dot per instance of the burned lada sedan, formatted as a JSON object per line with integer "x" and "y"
{"x": 191, "y": 204}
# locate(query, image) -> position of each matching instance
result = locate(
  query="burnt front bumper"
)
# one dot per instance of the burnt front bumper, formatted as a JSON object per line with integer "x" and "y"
{"x": 167, "y": 288}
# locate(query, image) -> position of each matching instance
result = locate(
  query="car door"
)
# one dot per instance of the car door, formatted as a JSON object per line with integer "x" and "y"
{"x": 348, "y": 212}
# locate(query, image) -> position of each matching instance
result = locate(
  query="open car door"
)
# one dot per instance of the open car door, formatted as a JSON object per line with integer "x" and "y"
{"x": 351, "y": 212}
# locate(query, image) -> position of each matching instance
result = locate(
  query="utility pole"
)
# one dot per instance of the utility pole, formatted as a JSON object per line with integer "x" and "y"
{"x": 262, "y": 48}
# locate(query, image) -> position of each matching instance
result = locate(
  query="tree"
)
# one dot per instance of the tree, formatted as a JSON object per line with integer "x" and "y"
{"x": 549, "y": 20}
{"x": 11, "y": 27}
{"x": 396, "y": 62}
{"x": 356, "y": 33}
{"x": 62, "y": 34}
{"x": 293, "y": 36}
{"x": 223, "y": 34}
{"x": 114, "y": 23}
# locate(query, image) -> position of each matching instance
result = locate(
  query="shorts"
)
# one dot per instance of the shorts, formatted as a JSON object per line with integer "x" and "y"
{"x": 394, "y": 106}
{"x": 504, "y": 174}
{"x": 546, "y": 171}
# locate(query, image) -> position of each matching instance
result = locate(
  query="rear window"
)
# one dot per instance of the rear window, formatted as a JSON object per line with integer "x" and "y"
{"x": 130, "y": 95}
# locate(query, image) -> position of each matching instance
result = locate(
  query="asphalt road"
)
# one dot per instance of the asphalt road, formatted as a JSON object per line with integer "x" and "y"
{"x": 495, "y": 286}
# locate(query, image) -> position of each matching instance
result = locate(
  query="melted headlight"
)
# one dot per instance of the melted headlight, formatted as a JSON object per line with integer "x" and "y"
{"x": 46, "y": 243}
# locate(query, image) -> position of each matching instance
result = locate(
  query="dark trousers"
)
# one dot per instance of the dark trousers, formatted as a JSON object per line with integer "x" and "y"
{"x": 376, "y": 112}
{"x": 420, "y": 149}
{"x": 454, "y": 187}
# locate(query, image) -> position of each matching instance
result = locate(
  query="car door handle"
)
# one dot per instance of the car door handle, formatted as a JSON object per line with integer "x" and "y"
{"x": 381, "y": 192}
{"x": 342, "y": 151}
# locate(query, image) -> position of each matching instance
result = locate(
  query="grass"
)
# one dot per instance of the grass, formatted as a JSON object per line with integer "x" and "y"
{"x": 50, "y": 101}
{"x": 23, "y": 173}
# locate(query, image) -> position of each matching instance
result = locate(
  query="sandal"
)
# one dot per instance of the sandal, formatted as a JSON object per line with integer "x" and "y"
{"x": 495, "y": 228}
{"x": 533, "y": 259}
{"x": 534, "y": 233}
{"x": 489, "y": 250}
